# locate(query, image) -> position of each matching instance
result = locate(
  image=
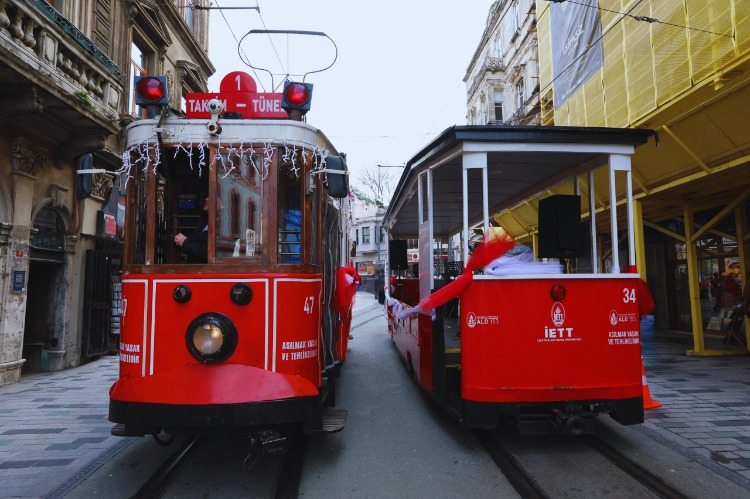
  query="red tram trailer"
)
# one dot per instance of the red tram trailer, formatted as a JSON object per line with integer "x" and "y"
{"x": 536, "y": 346}
{"x": 253, "y": 335}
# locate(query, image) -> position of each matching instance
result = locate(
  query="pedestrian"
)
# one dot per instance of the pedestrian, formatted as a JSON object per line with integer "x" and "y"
{"x": 196, "y": 246}
{"x": 729, "y": 297}
{"x": 704, "y": 289}
{"x": 716, "y": 291}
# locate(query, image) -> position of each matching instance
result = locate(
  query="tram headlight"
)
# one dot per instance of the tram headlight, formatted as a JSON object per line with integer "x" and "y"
{"x": 211, "y": 337}
{"x": 207, "y": 338}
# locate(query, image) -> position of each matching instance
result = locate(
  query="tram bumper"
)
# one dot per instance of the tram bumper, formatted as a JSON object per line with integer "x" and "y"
{"x": 200, "y": 399}
{"x": 575, "y": 417}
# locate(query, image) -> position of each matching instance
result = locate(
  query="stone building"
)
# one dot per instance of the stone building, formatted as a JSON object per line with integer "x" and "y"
{"x": 66, "y": 72}
{"x": 503, "y": 76}
{"x": 369, "y": 234}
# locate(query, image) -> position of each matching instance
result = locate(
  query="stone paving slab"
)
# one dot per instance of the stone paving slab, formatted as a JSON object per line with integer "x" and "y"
{"x": 54, "y": 427}
{"x": 54, "y": 430}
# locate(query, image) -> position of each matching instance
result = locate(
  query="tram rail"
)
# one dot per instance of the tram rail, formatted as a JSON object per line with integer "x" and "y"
{"x": 159, "y": 482}
{"x": 516, "y": 474}
{"x": 366, "y": 316}
{"x": 645, "y": 477}
{"x": 524, "y": 477}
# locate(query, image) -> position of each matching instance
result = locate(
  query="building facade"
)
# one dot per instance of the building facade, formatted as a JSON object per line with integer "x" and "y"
{"x": 66, "y": 70}
{"x": 369, "y": 235}
{"x": 503, "y": 76}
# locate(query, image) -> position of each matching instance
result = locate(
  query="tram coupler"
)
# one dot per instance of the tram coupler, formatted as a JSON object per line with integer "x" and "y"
{"x": 266, "y": 441}
{"x": 571, "y": 424}
{"x": 262, "y": 442}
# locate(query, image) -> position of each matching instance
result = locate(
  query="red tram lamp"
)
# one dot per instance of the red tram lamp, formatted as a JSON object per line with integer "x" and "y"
{"x": 150, "y": 93}
{"x": 296, "y": 99}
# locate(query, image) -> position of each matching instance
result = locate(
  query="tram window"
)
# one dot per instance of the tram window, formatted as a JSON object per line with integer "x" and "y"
{"x": 239, "y": 206}
{"x": 290, "y": 211}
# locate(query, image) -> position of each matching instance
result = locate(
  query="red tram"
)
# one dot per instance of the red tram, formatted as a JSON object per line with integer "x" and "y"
{"x": 534, "y": 346}
{"x": 254, "y": 334}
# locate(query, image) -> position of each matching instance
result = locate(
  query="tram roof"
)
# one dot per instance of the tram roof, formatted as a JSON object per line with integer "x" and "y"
{"x": 178, "y": 130}
{"x": 522, "y": 161}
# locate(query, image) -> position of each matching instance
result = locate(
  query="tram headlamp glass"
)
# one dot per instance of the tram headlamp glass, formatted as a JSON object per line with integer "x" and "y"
{"x": 208, "y": 338}
{"x": 211, "y": 337}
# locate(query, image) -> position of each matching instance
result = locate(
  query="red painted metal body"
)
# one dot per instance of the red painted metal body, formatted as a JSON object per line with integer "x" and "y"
{"x": 524, "y": 354}
{"x": 278, "y": 352}
{"x": 520, "y": 345}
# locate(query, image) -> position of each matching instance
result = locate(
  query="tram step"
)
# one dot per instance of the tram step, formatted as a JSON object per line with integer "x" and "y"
{"x": 333, "y": 420}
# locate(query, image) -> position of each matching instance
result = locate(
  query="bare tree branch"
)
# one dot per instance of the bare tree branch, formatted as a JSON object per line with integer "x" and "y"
{"x": 378, "y": 182}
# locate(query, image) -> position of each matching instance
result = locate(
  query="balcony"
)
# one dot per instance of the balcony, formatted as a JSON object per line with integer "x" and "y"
{"x": 490, "y": 65}
{"x": 57, "y": 85}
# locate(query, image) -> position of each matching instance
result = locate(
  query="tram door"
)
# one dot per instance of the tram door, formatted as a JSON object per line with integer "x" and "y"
{"x": 439, "y": 360}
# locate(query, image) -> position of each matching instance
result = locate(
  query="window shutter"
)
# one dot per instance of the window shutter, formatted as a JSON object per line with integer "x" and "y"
{"x": 103, "y": 25}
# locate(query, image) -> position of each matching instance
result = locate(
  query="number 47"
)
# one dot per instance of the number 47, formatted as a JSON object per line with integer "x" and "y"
{"x": 628, "y": 295}
{"x": 309, "y": 302}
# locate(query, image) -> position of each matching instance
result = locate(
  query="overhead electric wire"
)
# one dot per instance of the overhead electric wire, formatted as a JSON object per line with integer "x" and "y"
{"x": 381, "y": 136}
{"x": 257, "y": 78}
{"x": 198, "y": 7}
{"x": 450, "y": 99}
{"x": 623, "y": 16}
{"x": 591, "y": 45}
{"x": 648, "y": 19}
{"x": 272, "y": 45}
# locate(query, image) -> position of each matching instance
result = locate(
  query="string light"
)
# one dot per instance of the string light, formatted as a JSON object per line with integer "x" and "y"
{"x": 147, "y": 154}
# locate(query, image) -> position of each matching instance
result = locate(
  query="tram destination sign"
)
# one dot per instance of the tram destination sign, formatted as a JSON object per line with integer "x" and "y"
{"x": 238, "y": 93}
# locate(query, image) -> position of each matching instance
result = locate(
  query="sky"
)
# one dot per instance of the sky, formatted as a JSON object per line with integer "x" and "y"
{"x": 397, "y": 81}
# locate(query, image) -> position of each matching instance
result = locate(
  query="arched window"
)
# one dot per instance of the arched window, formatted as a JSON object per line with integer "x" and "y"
{"x": 50, "y": 230}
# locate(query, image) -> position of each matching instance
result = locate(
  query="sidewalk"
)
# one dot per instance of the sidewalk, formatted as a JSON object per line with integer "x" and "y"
{"x": 54, "y": 430}
{"x": 705, "y": 412}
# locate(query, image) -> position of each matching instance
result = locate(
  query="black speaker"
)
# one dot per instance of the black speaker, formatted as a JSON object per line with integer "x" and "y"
{"x": 338, "y": 183}
{"x": 397, "y": 254}
{"x": 559, "y": 226}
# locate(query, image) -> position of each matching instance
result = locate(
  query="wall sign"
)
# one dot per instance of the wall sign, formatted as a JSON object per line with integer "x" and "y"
{"x": 19, "y": 281}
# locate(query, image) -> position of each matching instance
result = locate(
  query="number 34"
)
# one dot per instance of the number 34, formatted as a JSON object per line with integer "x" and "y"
{"x": 628, "y": 295}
